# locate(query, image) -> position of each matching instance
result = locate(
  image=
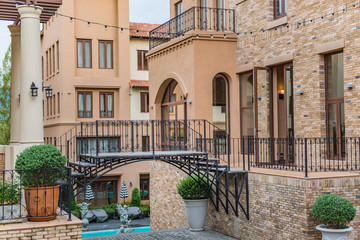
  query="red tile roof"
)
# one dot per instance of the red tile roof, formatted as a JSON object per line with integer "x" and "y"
{"x": 143, "y": 28}
{"x": 139, "y": 83}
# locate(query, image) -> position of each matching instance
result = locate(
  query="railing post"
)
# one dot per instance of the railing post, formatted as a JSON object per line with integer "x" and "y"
{"x": 69, "y": 183}
{"x": 152, "y": 136}
{"x": 97, "y": 138}
{"x": 67, "y": 152}
{"x": 243, "y": 151}
{"x": 132, "y": 136}
{"x": 306, "y": 159}
{"x": 228, "y": 150}
{"x": 205, "y": 150}
{"x": 249, "y": 152}
{"x": 82, "y": 139}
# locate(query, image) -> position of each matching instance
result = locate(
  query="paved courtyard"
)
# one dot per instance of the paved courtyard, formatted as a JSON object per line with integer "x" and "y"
{"x": 178, "y": 234}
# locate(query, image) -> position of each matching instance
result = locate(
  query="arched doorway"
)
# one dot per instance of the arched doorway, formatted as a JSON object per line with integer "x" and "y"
{"x": 173, "y": 116}
{"x": 220, "y": 104}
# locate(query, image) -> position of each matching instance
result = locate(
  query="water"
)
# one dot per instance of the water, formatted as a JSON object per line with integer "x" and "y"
{"x": 112, "y": 232}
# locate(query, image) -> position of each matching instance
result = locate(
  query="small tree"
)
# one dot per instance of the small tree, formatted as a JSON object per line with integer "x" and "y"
{"x": 135, "y": 198}
{"x": 192, "y": 187}
{"x": 333, "y": 211}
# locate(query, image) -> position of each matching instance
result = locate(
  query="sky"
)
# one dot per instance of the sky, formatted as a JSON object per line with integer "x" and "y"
{"x": 151, "y": 11}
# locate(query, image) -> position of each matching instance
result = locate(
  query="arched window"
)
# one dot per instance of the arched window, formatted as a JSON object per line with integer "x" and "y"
{"x": 220, "y": 102}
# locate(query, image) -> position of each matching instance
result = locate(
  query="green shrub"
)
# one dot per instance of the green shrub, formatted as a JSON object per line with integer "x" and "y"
{"x": 333, "y": 210}
{"x": 135, "y": 198}
{"x": 40, "y": 158}
{"x": 192, "y": 187}
{"x": 9, "y": 193}
{"x": 145, "y": 209}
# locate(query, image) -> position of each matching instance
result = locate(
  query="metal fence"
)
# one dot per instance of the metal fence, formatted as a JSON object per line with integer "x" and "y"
{"x": 297, "y": 154}
{"x": 195, "y": 18}
{"x": 37, "y": 194}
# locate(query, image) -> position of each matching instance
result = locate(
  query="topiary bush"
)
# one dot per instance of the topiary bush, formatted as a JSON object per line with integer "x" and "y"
{"x": 333, "y": 211}
{"x": 135, "y": 198}
{"x": 40, "y": 165}
{"x": 192, "y": 187}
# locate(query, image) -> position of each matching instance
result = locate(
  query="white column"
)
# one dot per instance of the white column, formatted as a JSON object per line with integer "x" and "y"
{"x": 31, "y": 120}
{"x": 15, "y": 84}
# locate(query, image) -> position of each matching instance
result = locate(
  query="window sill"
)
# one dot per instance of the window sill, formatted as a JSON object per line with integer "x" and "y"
{"x": 276, "y": 23}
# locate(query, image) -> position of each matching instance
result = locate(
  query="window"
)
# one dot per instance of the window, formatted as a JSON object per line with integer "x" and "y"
{"x": 247, "y": 111}
{"x": 84, "y": 53}
{"x": 50, "y": 107}
{"x": 178, "y": 11}
{"x": 53, "y": 59}
{"x": 42, "y": 68}
{"x": 84, "y": 104}
{"x": 50, "y": 61}
{"x": 144, "y": 102}
{"x": 47, "y": 108}
{"x": 105, "y": 192}
{"x": 43, "y": 106}
{"x": 47, "y": 64}
{"x": 280, "y": 8}
{"x": 105, "y": 54}
{"x": 144, "y": 186}
{"x": 105, "y": 144}
{"x": 57, "y": 56}
{"x": 58, "y": 98}
{"x": 54, "y": 105}
{"x": 142, "y": 61}
{"x": 106, "y": 105}
{"x": 335, "y": 113}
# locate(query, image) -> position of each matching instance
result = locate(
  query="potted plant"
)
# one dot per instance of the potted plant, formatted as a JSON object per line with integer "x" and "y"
{"x": 10, "y": 196}
{"x": 334, "y": 213}
{"x": 40, "y": 167}
{"x": 195, "y": 192}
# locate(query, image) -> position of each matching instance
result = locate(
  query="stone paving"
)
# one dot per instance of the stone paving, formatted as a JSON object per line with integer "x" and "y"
{"x": 177, "y": 234}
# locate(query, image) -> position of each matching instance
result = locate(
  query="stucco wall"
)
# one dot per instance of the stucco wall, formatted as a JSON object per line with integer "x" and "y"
{"x": 135, "y": 45}
{"x": 135, "y": 100}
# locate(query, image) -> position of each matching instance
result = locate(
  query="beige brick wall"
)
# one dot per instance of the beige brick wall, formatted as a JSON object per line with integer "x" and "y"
{"x": 58, "y": 229}
{"x": 2, "y": 161}
{"x": 302, "y": 43}
{"x": 280, "y": 207}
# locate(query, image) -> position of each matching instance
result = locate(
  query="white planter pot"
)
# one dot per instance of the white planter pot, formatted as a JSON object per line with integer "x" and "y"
{"x": 10, "y": 214}
{"x": 196, "y": 213}
{"x": 334, "y": 234}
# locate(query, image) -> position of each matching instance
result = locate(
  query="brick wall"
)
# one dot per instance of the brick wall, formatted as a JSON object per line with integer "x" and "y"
{"x": 280, "y": 207}
{"x": 303, "y": 43}
{"x": 51, "y": 230}
{"x": 2, "y": 161}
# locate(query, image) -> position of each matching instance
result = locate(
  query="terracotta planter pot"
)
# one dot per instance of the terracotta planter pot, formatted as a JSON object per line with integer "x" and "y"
{"x": 42, "y": 205}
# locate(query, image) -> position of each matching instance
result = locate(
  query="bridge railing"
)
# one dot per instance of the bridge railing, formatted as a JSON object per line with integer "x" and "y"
{"x": 297, "y": 154}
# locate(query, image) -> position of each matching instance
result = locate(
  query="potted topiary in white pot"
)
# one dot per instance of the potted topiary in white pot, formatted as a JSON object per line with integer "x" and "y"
{"x": 334, "y": 213}
{"x": 195, "y": 193}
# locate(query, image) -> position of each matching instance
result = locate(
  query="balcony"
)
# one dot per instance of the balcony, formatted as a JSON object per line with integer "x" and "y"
{"x": 195, "y": 18}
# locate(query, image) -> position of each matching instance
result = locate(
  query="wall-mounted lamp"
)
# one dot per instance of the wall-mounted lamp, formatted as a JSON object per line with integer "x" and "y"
{"x": 281, "y": 94}
{"x": 48, "y": 91}
{"x": 300, "y": 92}
{"x": 189, "y": 101}
{"x": 130, "y": 184}
{"x": 151, "y": 107}
{"x": 349, "y": 86}
{"x": 34, "y": 90}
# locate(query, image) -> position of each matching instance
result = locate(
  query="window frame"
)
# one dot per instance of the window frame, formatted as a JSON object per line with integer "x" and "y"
{"x": 84, "y": 52}
{"x": 144, "y": 177}
{"x": 85, "y": 93}
{"x": 283, "y": 14}
{"x": 143, "y": 59}
{"x": 105, "y": 51}
{"x": 146, "y": 103}
{"x": 106, "y": 104}
{"x": 57, "y": 56}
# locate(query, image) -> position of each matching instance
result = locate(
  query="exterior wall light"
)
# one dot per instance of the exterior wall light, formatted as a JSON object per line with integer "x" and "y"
{"x": 349, "y": 86}
{"x": 48, "y": 91}
{"x": 34, "y": 90}
{"x": 300, "y": 92}
{"x": 281, "y": 94}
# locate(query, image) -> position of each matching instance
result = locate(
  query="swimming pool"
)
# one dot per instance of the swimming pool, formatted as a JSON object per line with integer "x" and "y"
{"x": 112, "y": 232}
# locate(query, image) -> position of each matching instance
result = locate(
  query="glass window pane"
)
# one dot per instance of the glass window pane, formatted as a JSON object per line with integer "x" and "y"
{"x": 88, "y": 105}
{"x": 110, "y": 105}
{"x": 219, "y": 103}
{"x": 102, "y": 54}
{"x": 246, "y": 88}
{"x": 80, "y": 54}
{"x": 81, "y": 105}
{"x": 102, "y": 105}
{"x": 109, "y": 55}
{"x": 87, "y": 54}
{"x": 285, "y": 6}
{"x": 139, "y": 60}
{"x": 335, "y": 75}
{"x": 278, "y": 10}
{"x": 145, "y": 61}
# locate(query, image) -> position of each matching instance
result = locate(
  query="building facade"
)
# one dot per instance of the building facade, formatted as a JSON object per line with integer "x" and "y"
{"x": 96, "y": 73}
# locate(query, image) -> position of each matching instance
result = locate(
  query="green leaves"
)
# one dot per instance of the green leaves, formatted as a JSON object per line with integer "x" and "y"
{"x": 5, "y": 90}
{"x": 9, "y": 192}
{"x": 135, "y": 198}
{"x": 333, "y": 210}
{"x": 193, "y": 187}
{"x": 40, "y": 165}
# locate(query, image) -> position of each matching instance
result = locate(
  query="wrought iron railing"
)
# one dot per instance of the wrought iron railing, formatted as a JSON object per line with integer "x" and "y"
{"x": 195, "y": 18}
{"x": 297, "y": 154}
{"x": 34, "y": 194}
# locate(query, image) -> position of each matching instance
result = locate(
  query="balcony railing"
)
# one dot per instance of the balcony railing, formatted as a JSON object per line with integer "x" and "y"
{"x": 196, "y": 18}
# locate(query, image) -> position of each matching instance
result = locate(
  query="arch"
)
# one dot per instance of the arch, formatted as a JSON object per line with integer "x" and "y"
{"x": 162, "y": 87}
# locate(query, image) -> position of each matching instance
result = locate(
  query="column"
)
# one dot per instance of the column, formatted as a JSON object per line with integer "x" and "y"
{"x": 15, "y": 84}
{"x": 31, "y": 120}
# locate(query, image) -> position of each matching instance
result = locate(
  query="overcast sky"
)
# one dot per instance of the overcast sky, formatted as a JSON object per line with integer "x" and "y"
{"x": 151, "y": 11}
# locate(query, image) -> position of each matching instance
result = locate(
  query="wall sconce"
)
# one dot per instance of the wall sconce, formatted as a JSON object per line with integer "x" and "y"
{"x": 300, "y": 92}
{"x": 151, "y": 107}
{"x": 349, "y": 86}
{"x": 34, "y": 90}
{"x": 281, "y": 94}
{"x": 189, "y": 101}
{"x": 48, "y": 91}
{"x": 130, "y": 184}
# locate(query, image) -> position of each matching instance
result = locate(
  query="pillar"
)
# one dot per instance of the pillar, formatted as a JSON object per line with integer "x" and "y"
{"x": 15, "y": 84}
{"x": 31, "y": 120}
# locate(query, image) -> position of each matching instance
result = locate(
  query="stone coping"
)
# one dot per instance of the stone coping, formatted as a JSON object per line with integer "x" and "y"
{"x": 59, "y": 221}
